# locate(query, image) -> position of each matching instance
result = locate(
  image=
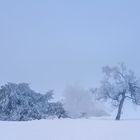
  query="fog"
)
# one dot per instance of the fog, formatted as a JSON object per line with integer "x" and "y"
{"x": 52, "y": 43}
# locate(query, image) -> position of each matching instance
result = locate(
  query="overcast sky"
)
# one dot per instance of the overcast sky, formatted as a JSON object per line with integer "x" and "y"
{"x": 53, "y": 43}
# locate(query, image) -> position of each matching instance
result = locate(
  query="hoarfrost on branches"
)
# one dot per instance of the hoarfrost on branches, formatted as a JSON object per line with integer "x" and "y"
{"x": 20, "y": 103}
{"x": 119, "y": 84}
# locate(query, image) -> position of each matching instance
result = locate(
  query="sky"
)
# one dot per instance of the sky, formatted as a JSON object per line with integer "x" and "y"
{"x": 53, "y": 43}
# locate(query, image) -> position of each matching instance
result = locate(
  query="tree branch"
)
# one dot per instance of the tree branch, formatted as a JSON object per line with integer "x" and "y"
{"x": 129, "y": 97}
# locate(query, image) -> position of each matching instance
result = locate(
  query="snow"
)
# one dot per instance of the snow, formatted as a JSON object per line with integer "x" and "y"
{"x": 71, "y": 129}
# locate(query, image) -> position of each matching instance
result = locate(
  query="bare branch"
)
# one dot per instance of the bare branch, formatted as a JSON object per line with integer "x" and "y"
{"x": 129, "y": 97}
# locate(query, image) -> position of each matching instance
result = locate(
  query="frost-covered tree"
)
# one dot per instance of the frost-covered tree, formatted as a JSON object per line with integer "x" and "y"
{"x": 118, "y": 85}
{"x": 79, "y": 102}
{"x": 18, "y": 102}
{"x": 57, "y": 110}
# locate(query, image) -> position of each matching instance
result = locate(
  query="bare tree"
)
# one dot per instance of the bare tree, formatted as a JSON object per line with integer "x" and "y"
{"x": 119, "y": 84}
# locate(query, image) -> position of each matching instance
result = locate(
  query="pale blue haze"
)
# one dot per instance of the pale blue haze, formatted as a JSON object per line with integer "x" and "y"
{"x": 52, "y": 43}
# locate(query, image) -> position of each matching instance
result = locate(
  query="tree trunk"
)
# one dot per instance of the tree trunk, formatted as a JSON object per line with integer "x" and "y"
{"x": 120, "y": 107}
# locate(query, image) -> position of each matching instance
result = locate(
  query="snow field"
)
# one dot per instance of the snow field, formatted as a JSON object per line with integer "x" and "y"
{"x": 71, "y": 129}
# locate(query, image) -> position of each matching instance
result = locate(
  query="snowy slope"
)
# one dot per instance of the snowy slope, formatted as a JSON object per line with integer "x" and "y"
{"x": 81, "y": 129}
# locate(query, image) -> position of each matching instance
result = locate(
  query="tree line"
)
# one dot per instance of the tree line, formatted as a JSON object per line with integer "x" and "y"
{"x": 18, "y": 102}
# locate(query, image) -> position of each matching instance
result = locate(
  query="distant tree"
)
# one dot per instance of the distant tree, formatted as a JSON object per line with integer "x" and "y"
{"x": 79, "y": 102}
{"x": 118, "y": 85}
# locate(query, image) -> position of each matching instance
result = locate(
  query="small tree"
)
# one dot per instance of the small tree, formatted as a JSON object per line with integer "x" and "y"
{"x": 119, "y": 84}
{"x": 56, "y": 109}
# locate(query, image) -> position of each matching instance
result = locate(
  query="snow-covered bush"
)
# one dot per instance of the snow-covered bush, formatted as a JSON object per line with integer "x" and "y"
{"x": 56, "y": 109}
{"x": 79, "y": 102}
{"x": 20, "y": 103}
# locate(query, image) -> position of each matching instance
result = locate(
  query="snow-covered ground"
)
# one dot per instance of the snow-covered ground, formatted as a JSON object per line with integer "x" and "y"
{"x": 68, "y": 129}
